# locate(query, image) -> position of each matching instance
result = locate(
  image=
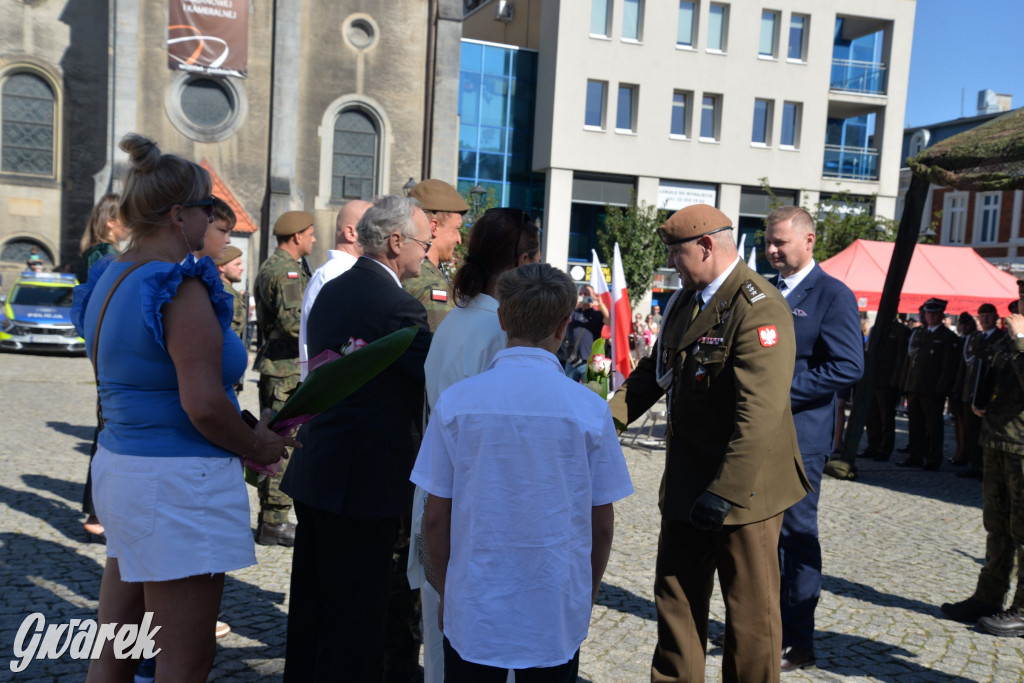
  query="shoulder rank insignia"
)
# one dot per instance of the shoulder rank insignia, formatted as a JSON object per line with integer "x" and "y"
{"x": 752, "y": 291}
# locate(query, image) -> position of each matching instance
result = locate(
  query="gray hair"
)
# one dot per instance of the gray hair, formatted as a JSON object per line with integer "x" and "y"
{"x": 389, "y": 214}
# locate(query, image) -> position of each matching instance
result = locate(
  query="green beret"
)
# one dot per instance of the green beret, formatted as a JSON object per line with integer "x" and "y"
{"x": 230, "y": 254}
{"x": 437, "y": 195}
{"x": 292, "y": 222}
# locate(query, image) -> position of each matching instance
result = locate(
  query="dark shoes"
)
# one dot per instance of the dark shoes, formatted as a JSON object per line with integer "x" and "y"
{"x": 794, "y": 658}
{"x": 970, "y": 610}
{"x": 1008, "y": 624}
{"x": 275, "y": 534}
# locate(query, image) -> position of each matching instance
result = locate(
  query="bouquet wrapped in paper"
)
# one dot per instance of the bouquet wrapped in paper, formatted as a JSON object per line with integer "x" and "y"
{"x": 333, "y": 377}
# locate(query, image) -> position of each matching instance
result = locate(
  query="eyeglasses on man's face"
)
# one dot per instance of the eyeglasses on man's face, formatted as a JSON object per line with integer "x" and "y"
{"x": 426, "y": 245}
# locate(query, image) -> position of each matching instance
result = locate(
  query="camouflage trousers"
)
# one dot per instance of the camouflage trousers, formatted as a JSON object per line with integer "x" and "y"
{"x": 274, "y": 505}
{"x": 1003, "y": 515}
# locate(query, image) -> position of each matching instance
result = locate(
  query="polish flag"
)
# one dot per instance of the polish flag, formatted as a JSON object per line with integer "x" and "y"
{"x": 622, "y": 322}
{"x": 598, "y": 284}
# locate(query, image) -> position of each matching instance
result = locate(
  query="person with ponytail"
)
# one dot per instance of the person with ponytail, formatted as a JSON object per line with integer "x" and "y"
{"x": 463, "y": 346}
{"x": 103, "y": 233}
{"x": 167, "y": 475}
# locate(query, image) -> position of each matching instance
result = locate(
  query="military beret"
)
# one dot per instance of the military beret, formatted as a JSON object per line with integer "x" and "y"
{"x": 292, "y": 222}
{"x": 437, "y": 195}
{"x": 986, "y": 308}
{"x": 230, "y": 254}
{"x": 693, "y": 222}
{"x": 934, "y": 305}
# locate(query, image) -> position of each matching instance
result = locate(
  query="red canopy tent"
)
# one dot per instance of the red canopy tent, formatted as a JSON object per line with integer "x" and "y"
{"x": 956, "y": 274}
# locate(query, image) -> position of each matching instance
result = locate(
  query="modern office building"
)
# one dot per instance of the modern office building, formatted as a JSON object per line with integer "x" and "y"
{"x": 698, "y": 101}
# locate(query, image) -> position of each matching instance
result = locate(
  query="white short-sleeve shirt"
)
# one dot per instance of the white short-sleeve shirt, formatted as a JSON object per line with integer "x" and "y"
{"x": 525, "y": 454}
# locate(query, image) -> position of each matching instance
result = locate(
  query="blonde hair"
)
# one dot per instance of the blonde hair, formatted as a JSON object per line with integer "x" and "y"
{"x": 802, "y": 220}
{"x": 534, "y": 299}
{"x": 156, "y": 182}
{"x": 97, "y": 230}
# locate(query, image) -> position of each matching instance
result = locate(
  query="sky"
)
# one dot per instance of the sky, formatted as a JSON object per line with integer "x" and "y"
{"x": 960, "y": 48}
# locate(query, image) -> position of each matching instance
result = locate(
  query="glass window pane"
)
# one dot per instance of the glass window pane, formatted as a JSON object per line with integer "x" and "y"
{"x": 767, "y": 44}
{"x": 492, "y": 139}
{"x": 492, "y": 167}
{"x": 595, "y": 104}
{"x": 467, "y": 164}
{"x": 467, "y": 136}
{"x": 493, "y": 103}
{"x": 624, "y": 112}
{"x": 789, "y": 124}
{"x": 716, "y": 27}
{"x": 797, "y": 26}
{"x": 679, "y": 113}
{"x": 599, "y": 17}
{"x": 472, "y": 53}
{"x": 684, "y": 31}
{"x": 760, "y": 132}
{"x": 469, "y": 97}
{"x": 707, "y": 119}
{"x": 631, "y": 19}
{"x": 27, "y": 124}
{"x": 497, "y": 60}
{"x": 354, "y": 166}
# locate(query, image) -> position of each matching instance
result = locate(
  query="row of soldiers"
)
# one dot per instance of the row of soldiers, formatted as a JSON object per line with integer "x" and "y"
{"x": 930, "y": 364}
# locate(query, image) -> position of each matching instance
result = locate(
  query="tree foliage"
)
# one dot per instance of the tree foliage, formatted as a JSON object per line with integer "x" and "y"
{"x": 633, "y": 227}
{"x": 840, "y": 220}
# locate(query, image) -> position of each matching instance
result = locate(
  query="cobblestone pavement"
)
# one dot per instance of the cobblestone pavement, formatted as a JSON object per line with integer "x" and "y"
{"x": 896, "y": 545}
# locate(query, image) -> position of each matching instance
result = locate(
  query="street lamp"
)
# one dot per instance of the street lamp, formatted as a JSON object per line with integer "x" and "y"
{"x": 475, "y": 193}
{"x": 407, "y": 188}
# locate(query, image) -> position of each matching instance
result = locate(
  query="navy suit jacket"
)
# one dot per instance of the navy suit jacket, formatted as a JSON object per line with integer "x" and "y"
{"x": 356, "y": 457}
{"x": 829, "y": 355}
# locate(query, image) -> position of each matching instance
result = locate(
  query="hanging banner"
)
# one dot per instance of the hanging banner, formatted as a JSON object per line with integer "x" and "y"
{"x": 208, "y": 36}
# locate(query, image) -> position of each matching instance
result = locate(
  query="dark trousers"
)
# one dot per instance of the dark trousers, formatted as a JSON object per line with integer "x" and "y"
{"x": 458, "y": 670}
{"x": 1003, "y": 516}
{"x": 924, "y": 414}
{"x": 881, "y": 422}
{"x": 341, "y": 570}
{"x": 972, "y": 437}
{"x": 800, "y": 561}
{"x": 747, "y": 561}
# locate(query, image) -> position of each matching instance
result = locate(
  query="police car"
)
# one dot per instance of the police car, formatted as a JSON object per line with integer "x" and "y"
{"x": 37, "y": 315}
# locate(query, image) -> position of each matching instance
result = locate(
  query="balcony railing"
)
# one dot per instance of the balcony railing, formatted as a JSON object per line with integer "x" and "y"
{"x": 854, "y": 163}
{"x": 849, "y": 75}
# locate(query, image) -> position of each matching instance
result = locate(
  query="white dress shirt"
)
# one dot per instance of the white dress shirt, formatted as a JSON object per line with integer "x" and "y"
{"x": 337, "y": 263}
{"x": 794, "y": 280}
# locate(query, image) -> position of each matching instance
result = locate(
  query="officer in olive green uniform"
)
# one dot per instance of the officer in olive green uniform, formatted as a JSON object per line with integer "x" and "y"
{"x": 733, "y": 464}
{"x": 1002, "y": 439}
{"x": 930, "y": 371}
{"x": 444, "y": 207}
{"x": 279, "y": 287}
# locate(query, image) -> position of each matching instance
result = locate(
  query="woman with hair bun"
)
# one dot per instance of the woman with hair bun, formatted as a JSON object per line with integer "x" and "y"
{"x": 167, "y": 475}
{"x": 464, "y": 345}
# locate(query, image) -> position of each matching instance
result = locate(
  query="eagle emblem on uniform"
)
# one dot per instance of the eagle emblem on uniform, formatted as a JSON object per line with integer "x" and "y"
{"x": 768, "y": 335}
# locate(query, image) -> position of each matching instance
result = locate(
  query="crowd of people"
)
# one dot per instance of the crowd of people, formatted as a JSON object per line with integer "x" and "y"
{"x": 462, "y": 498}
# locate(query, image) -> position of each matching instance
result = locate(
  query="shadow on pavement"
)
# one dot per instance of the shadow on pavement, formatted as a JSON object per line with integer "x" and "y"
{"x": 58, "y": 514}
{"x": 71, "y": 491}
{"x": 625, "y": 601}
{"x": 847, "y": 655}
{"x": 944, "y": 486}
{"x": 83, "y": 432}
{"x": 859, "y": 591}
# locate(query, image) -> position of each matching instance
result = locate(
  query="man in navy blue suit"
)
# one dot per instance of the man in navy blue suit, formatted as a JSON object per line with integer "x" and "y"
{"x": 829, "y": 356}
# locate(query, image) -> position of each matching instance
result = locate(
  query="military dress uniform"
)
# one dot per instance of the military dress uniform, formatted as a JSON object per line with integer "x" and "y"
{"x": 978, "y": 351}
{"x": 433, "y": 291}
{"x": 727, "y": 371}
{"x": 278, "y": 291}
{"x": 930, "y": 372}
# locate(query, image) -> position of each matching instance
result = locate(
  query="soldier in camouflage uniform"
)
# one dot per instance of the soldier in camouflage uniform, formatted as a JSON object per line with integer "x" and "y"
{"x": 444, "y": 208}
{"x": 279, "y": 287}
{"x": 1002, "y": 440}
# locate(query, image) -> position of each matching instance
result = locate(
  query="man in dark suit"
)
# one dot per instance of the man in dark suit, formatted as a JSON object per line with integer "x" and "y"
{"x": 350, "y": 482}
{"x": 978, "y": 351}
{"x": 829, "y": 357}
{"x": 725, "y": 358}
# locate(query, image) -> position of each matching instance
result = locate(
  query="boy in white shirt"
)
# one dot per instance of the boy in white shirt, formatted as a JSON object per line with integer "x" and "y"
{"x": 522, "y": 466}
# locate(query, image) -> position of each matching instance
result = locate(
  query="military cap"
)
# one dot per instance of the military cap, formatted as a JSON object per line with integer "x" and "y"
{"x": 986, "y": 308}
{"x": 292, "y": 222}
{"x": 693, "y": 222}
{"x": 230, "y": 254}
{"x": 934, "y": 305}
{"x": 437, "y": 195}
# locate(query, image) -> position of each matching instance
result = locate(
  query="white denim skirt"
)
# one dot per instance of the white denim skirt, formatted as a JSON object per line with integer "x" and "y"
{"x": 170, "y": 518}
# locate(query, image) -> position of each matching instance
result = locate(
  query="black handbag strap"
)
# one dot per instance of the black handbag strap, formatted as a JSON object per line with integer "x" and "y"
{"x": 96, "y": 334}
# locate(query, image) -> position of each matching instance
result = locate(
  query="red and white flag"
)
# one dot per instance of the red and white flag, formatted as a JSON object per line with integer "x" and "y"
{"x": 622, "y": 322}
{"x": 597, "y": 282}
